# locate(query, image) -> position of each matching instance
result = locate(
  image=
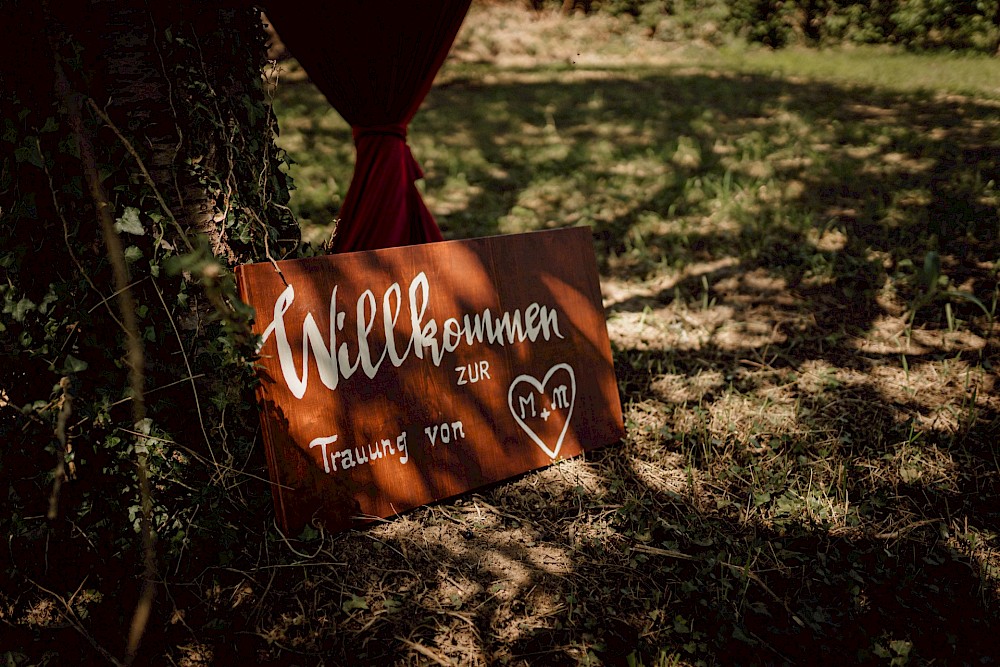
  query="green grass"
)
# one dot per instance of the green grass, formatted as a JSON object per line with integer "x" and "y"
{"x": 883, "y": 67}
{"x": 799, "y": 253}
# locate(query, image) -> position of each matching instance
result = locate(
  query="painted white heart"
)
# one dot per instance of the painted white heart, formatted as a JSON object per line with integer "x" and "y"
{"x": 558, "y": 396}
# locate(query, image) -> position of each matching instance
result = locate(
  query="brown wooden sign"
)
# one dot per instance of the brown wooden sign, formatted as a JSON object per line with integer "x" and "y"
{"x": 393, "y": 378}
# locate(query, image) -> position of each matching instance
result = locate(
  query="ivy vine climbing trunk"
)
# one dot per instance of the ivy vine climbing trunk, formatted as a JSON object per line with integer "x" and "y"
{"x": 151, "y": 118}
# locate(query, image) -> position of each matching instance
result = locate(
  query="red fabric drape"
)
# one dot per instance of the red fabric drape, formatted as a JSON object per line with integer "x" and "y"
{"x": 375, "y": 60}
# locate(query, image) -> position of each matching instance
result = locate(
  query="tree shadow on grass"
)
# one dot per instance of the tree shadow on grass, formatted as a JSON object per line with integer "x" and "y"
{"x": 865, "y": 550}
{"x": 760, "y": 239}
{"x": 670, "y": 169}
{"x": 602, "y": 559}
{"x": 803, "y": 178}
{"x": 786, "y": 492}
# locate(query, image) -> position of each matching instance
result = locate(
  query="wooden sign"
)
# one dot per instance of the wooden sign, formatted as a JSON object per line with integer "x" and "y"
{"x": 393, "y": 378}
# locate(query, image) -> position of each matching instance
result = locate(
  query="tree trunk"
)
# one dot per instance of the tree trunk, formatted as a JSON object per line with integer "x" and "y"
{"x": 168, "y": 97}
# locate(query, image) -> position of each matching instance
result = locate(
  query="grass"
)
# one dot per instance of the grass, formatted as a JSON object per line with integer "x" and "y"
{"x": 799, "y": 254}
{"x": 888, "y": 69}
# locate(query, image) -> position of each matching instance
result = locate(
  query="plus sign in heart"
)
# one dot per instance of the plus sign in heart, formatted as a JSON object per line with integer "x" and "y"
{"x": 543, "y": 408}
{"x": 397, "y": 377}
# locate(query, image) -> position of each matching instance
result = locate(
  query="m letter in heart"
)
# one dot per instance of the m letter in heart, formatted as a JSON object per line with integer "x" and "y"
{"x": 397, "y": 377}
{"x": 543, "y": 408}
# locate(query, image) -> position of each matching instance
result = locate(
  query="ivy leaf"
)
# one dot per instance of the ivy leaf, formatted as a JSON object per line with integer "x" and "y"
{"x": 308, "y": 533}
{"x": 9, "y": 132}
{"x": 74, "y": 365}
{"x": 355, "y": 602}
{"x": 28, "y": 154}
{"x": 132, "y": 253}
{"x": 144, "y": 426}
{"x": 142, "y": 444}
{"x": 129, "y": 222}
{"x": 901, "y": 647}
{"x": 742, "y": 636}
{"x": 22, "y": 308}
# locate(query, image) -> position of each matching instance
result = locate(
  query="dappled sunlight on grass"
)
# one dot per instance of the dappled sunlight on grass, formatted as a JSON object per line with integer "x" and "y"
{"x": 799, "y": 254}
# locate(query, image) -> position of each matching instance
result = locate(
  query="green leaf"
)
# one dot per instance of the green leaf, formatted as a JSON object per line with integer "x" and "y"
{"x": 971, "y": 298}
{"x": 144, "y": 425}
{"x": 308, "y": 533}
{"x": 9, "y": 132}
{"x": 74, "y": 365}
{"x": 132, "y": 253}
{"x": 28, "y": 154}
{"x": 129, "y": 222}
{"x": 23, "y": 307}
{"x": 68, "y": 146}
{"x": 931, "y": 271}
{"x": 740, "y": 635}
{"x": 901, "y": 646}
{"x": 355, "y": 602}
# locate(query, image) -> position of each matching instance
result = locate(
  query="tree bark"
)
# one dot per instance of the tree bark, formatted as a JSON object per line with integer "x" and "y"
{"x": 169, "y": 97}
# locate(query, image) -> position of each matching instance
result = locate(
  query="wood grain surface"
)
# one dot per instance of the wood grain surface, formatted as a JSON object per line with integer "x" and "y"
{"x": 448, "y": 366}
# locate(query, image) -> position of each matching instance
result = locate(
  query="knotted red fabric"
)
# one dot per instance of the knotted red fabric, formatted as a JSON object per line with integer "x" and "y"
{"x": 375, "y": 60}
